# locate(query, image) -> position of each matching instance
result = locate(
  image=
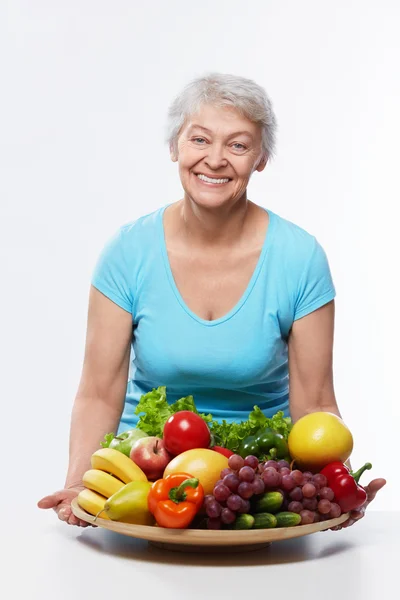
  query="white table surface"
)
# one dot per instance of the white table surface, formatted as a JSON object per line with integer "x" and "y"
{"x": 45, "y": 558}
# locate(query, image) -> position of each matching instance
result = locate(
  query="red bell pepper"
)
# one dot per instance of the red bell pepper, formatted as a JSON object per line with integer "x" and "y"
{"x": 344, "y": 484}
{"x": 224, "y": 451}
{"x": 175, "y": 500}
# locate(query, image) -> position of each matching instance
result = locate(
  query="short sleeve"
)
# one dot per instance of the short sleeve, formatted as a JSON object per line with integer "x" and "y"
{"x": 316, "y": 286}
{"x": 111, "y": 275}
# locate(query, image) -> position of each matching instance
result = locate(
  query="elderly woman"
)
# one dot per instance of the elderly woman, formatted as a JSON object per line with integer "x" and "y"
{"x": 212, "y": 295}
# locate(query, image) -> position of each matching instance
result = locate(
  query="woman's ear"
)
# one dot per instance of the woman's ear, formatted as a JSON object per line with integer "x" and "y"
{"x": 262, "y": 163}
{"x": 173, "y": 154}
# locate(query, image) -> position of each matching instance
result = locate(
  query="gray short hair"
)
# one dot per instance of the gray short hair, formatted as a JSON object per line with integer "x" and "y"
{"x": 219, "y": 89}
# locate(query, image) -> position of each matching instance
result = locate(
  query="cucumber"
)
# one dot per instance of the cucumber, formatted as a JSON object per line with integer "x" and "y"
{"x": 287, "y": 519}
{"x": 264, "y": 521}
{"x": 270, "y": 502}
{"x": 243, "y": 521}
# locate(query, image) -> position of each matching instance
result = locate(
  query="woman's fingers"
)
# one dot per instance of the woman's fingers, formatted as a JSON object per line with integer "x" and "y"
{"x": 54, "y": 499}
{"x": 73, "y": 520}
{"x": 373, "y": 488}
{"x": 61, "y": 503}
{"x": 49, "y": 501}
{"x": 64, "y": 512}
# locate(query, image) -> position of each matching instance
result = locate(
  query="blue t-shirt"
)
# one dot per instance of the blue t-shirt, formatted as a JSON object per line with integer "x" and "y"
{"x": 229, "y": 364}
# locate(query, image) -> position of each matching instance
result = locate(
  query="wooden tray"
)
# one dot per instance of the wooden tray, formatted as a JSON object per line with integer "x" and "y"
{"x": 202, "y": 540}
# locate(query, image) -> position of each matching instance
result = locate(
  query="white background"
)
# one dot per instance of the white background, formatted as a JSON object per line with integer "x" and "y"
{"x": 85, "y": 88}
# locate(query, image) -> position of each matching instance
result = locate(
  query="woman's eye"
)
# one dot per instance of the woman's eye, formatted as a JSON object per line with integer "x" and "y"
{"x": 241, "y": 147}
{"x": 199, "y": 140}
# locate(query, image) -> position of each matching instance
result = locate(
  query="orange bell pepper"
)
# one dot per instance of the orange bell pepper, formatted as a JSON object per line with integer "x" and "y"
{"x": 175, "y": 500}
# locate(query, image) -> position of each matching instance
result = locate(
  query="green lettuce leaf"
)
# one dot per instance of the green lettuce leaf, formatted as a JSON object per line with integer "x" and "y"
{"x": 154, "y": 411}
{"x": 108, "y": 438}
{"x": 229, "y": 435}
{"x": 278, "y": 422}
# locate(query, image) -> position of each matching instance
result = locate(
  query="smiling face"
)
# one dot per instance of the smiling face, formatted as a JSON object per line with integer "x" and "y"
{"x": 218, "y": 150}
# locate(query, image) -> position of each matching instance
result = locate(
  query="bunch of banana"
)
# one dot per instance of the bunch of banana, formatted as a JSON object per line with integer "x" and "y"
{"x": 110, "y": 471}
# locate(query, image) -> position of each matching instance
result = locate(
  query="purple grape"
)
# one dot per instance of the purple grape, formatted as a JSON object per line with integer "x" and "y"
{"x": 218, "y": 482}
{"x": 326, "y": 493}
{"x": 246, "y": 474}
{"x": 307, "y": 475}
{"x": 225, "y": 472}
{"x": 307, "y": 517}
{"x": 309, "y": 490}
{"x": 324, "y": 507}
{"x": 208, "y": 498}
{"x": 287, "y": 483}
{"x": 221, "y": 492}
{"x": 271, "y": 478}
{"x": 245, "y": 508}
{"x": 245, "y": 489}
{"x": 335, "y": 511}
{"x": 319, "y": 480}
{"x": 258, "y": 486}
{"x": 251, "y": 461}
{"x": 298, "y": 477}
{"x": 234, "y": 502}
{"x": 232, "y": 481}
{"x": 235, "y": 462}
{"x": 227, "y": 516}
{"x": 323, "y": 517}
{"x": 285, "y": 504}
{"x": 284, "y": 471}
{"x": 310, "y": 503}
{"x": 213, "y": 523}
{"x": 295, "y": 507}
{"x": 272, "y": 463}
{"x": 296, "y": 494}
{"x": 213, "y": 509}
{"x": 283, "y": 464}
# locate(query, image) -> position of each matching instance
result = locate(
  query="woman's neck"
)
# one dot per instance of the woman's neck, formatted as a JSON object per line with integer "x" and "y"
{"x": 209, "y": 227}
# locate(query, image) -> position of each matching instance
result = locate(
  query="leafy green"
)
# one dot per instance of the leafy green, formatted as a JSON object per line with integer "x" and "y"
{"x": 154, "y": 411}
{"x": 108, "y": 438}
{"x": 278, "y": 422}
{"x": 230, "y": 435}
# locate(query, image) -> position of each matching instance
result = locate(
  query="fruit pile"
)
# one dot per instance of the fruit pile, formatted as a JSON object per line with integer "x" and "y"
{"x": 268, "y": 494}
{"x": 181, "y": 478}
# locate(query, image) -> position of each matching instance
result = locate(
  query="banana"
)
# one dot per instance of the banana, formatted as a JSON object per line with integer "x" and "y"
{"x": 101, "y": 482}
{"x": 118, "y": 464}
{"x": 92, "y": 502}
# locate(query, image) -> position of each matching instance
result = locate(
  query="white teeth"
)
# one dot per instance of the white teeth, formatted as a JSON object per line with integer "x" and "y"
{"x": 209, "y": 180}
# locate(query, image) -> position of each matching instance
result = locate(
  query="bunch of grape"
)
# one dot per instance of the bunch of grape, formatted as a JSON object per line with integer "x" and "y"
{"x": 304, "y": 493}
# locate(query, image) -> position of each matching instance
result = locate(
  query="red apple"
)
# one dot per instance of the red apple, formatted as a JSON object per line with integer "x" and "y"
{"x": 151, "y": 456}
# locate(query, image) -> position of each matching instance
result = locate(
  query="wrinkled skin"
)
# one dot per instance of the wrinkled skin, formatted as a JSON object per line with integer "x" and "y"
{"x": 355, "y": 515}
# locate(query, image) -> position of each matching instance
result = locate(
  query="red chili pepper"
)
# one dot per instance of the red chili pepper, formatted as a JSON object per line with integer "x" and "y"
{"x": 175, "y": 500}
{"x": 344, "y": 484}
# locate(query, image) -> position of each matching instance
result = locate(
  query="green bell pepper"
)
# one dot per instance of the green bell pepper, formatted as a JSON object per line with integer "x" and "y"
{"x": 267, "y": 444}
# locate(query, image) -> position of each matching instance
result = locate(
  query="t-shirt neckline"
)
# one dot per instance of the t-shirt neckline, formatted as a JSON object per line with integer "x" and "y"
{"x": 246, "y": 293}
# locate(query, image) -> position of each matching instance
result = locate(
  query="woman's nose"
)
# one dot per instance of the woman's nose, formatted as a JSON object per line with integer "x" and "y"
{"x": 215, "y": 157}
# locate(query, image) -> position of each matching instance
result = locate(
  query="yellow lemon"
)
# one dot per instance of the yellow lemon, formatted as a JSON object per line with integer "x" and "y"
{"x": 319, "y": 438}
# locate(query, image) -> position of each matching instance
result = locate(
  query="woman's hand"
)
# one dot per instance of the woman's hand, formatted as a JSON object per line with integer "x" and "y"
{"x": 61, "y": 502}
{"x": 355, "y": 515}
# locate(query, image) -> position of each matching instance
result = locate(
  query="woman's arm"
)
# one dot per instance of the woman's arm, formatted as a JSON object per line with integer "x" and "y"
{"x": 310, "y": 348}
{"x": 311, "y": 378}
{"x": 101, "y": 393}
